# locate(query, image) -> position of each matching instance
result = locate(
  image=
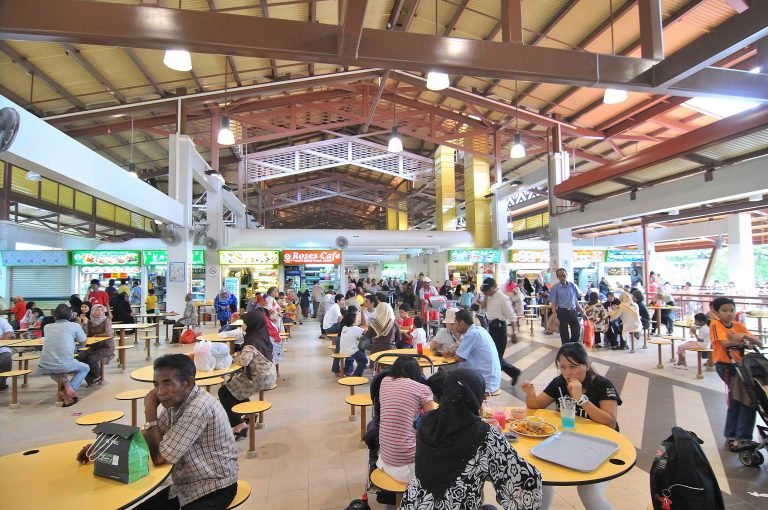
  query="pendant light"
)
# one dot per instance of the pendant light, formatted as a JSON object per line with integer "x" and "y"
{"x": 436, "y": 80}
{"x": 226, "y": 136}
{"x": 131, "y": 165}
{"x": 518, "y": 150}
{"x": 613, "y": 96}
{"x": 395, "y": 143}
{"x": 178, "y": 59}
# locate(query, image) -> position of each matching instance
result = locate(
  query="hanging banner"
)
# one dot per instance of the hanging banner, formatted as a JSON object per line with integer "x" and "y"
{"x": 247, "y": 258}
{"x": 35, "y": 258}
{"x": 583, "y": 258}
{"x": 624, "y": 256}
{"x": 105, "y": 258}
{"x": 160, "y": 257}
{"x": 529, "y": 257}
{"x": 473, "y": 256}
{"x": 329, "y": 257}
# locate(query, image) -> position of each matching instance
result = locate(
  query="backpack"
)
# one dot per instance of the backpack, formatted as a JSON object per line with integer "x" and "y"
{"x": 681, "y": 477}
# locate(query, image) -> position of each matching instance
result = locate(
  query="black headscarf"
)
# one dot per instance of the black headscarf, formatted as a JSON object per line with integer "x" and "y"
{"x": 257, "y": 334}
{"x": 448, "y": 438}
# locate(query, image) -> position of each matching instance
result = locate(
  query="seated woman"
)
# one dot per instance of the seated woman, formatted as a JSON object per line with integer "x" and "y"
{"x": 101, "y": 352}
{"x": 596, "y": 399}
{"x": 629, "y": 315}
{"x": 121, "y": 309}
{"x": 595, "y": 312}
{"x": 348, "y": 343}
{"x": 402, "y": 398}
{"x": 385, "y": 336}
{"x": 259, "y": 374}
{"x": 456, "y": 452}
{"x": 58, "y": 350}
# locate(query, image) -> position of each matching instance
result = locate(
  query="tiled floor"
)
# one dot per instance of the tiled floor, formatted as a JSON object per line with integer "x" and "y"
{"x": 310, "y": 456}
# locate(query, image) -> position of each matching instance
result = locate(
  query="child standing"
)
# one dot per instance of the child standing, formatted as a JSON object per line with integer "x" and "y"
{"x": 700, "y": 331}
{"x": 419, "y": 334}
{"x": 151, "y": 304}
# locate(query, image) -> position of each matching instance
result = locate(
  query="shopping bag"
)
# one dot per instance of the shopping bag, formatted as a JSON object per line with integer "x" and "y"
{"x": 589, "y": 334}
{"x": 204, "y": 359}
{"x": 553, "y": 324}
{"x": 119, "y": 452}
{"x": 188, "y": 336}
{"x": 221, "y": 354}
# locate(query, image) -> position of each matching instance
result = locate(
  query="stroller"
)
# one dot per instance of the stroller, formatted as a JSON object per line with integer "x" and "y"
{"x": 753, "y": 372}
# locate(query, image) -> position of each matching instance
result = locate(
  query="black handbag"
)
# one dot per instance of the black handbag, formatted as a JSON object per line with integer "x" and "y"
{"x": 364, "y": 343}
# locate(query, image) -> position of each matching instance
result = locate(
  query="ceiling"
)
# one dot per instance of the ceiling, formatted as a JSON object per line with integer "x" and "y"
{"x": 266, "y": 65}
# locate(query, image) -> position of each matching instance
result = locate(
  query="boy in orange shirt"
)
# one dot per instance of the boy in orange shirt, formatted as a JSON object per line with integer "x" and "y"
{"x": 725, "y": 332}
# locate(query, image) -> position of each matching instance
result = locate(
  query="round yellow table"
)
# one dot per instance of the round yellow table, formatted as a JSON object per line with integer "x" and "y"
{"x": 146, "y": 374}
{"x": 553, "y": 474}
{"x": 389, "y": 360}
{"x": 68, "y": 484}
{"x": 100, "y": 417}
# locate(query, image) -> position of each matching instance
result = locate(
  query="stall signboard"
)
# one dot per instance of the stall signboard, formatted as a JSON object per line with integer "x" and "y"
{"x": 27, "y": 258}
{"x": 106, "y": 258}
{"x": 160, "y": 257}
{"x": 473, "y": 256}
{"x": 111, "y": 269}
{"x": 582, "y": 258}
{"x": 624, "y": 256}
{"x": 397, "y": 267}
{"x": 327, "y": 257}
{"x": 248, "y": 258}
{"x": 540, "y": 257}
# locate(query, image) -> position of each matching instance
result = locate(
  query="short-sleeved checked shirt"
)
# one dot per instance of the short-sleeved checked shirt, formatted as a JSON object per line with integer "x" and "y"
{"x": 198, "y": 441}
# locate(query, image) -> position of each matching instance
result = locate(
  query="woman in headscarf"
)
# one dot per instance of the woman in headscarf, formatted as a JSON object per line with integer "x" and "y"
{"x": 98, "y": 324}
{"x": 384, "y": 336}
{"x": 456, "y": 452}
{"x": 629, "y": 314}
{"x": 221, "y": 303}
{"x": 259, "y": 370}
{"x": 121, "y": 309}
{"x": 304, "y": 300}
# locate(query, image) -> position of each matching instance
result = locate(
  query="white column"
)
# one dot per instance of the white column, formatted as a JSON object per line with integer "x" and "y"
{"x": 560, "y": 248}
{"x": 213, "y": 276}
{"x": 500, "y": 223}
{"x": 180, "y": 188}
{"x": 741, "y": 257}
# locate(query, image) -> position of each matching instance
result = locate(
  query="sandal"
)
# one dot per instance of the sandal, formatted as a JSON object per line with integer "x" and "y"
{"x": 73, "y": 402}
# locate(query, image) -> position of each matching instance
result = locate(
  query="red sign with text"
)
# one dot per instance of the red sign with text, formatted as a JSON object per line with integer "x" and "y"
{"x": 312, "y": 257}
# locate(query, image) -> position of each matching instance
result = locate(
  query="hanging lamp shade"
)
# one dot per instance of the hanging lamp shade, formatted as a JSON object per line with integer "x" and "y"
{"x": 226, "y": 137}
{"x": 178, "y": 60}
{"x": 395, "y": 143}
{"x": 614, "y": 96}
{"x": 437, "y": 81}
{"x": 518, "y": 150}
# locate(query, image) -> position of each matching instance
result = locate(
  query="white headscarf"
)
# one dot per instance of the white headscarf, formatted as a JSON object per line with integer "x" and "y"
{"x": 384, "y": 319}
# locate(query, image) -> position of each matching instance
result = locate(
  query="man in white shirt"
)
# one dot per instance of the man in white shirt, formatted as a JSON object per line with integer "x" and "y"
{"x": 369, "y": 308}
{"x": 498, "y": 310}
{"x": 6, "y": 363}
{"x": 332, "y": 317}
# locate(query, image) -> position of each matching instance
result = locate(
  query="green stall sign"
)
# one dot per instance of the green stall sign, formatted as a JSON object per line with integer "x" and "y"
{"x": 160, "y": 257}
{"x": 105, "y": 258}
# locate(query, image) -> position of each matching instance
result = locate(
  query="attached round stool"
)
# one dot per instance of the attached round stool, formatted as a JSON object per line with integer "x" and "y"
{"x": 243, "y": 493}
{"x": 121, "y": 354}
{"x": 100, "y": 417}
{"x": 148, "y": 343}
{"x": 362, "y": 401}
{"x": 659, "y": 343}
{"x": 133, "y": 396}
{"x": 207, "y": 383}
{"x": 342, "y": 361}
{"x": 13, "y": 374}
{"x": 352, "y": 382}
{"x": 252, "y": 409}
{"x": 385, "y": 482}
{"x": 260, "y": 424}
{"x": 23, "y": 361}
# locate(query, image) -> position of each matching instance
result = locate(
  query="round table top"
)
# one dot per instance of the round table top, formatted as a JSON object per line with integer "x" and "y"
{"x": 553, "y": 474}
{"x": 67, "y": 483}
{"x": 139, "y": 325}
{"x": 146, "y": 374}
{"x": 353, "y": 381}
{"x": 100, "y": 417}
{"x": 96, "y": 339}
{"x": 10, "y": 342}
{"x": 389, "y": 360}
{"x": 211, "y": 381}
{"x": 35, "y": 342}
{"x": 361, "y": 399}
{"x": 214, "y": 337}
{"x": 132, "y": 394}
{"x": 27, "y": 357}
{"x": 256, "y": 406}
{"x": 659, "y": 342}
{"x": 13, "y": 373}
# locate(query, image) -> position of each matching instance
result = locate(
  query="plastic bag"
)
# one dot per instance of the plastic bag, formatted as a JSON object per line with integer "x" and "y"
{"x": 221, "y": 354}
{"x": 204, "y": 359}
{"x": 553, "y": 324}
{"x": 589, "y": 334}
{"x": 188, "y": 337}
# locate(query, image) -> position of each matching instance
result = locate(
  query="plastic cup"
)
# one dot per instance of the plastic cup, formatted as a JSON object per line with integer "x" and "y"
{"x": 420, "y": 348}
{"x": 567, "y": 413}
{"x": 517, "y": 413}
{"x": 500, "y": 415}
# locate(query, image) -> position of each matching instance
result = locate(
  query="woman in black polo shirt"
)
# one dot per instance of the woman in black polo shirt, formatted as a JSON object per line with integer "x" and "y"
{"x": 596, "y": 399}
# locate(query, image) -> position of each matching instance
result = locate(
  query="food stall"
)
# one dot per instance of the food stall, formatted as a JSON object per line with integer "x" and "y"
{"x": 397, "y": 270}
{"x": 471, "y": 266}
{"x": 310, "y": 266}
{"x": 531, "y": 264}
{"x": 585, "y": 267}
{"x": 622, "y": 266}
{"x": 105, "y": 265}
{"x": 155, "y": 266}
{"x": 252, "y": 268}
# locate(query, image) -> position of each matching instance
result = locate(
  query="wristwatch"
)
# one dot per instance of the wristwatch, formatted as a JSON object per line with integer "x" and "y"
{"x": 583, "y": 400}
{"x": 149, "y": 425}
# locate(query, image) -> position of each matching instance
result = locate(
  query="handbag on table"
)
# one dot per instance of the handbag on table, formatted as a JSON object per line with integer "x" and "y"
{"x": 119, "y": 452}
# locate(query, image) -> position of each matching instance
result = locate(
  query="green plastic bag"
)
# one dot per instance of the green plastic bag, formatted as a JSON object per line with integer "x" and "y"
{"x": 119, "y": 452}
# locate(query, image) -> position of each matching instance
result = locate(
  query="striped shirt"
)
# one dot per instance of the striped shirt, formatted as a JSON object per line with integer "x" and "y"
{"x": 198, "y": 441}
{"x": 401, "y": 401}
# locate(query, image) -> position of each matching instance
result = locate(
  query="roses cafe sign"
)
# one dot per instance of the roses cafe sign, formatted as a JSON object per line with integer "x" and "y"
{"x": 328, "y": 257}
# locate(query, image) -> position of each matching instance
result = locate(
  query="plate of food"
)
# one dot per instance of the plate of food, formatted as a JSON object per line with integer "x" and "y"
{"x": 532, "y": 428}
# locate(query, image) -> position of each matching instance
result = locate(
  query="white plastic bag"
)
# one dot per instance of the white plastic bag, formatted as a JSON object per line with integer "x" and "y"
{"x": 204, "y": 359}
{"x": 221, "y": 354}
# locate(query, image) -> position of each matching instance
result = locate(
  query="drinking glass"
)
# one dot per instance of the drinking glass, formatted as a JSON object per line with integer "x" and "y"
{"x": 567, "y": 413}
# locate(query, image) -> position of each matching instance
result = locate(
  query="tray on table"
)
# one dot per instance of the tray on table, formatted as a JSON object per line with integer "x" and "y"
{"x": 576, "y": 451}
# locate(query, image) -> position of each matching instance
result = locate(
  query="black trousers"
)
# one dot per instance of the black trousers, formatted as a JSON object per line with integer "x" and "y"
{"x": 498, "y": 331}
{"x": 568, "y": 319}
{"x": 216, "y": 500}
{"x": 228, "y": 401}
